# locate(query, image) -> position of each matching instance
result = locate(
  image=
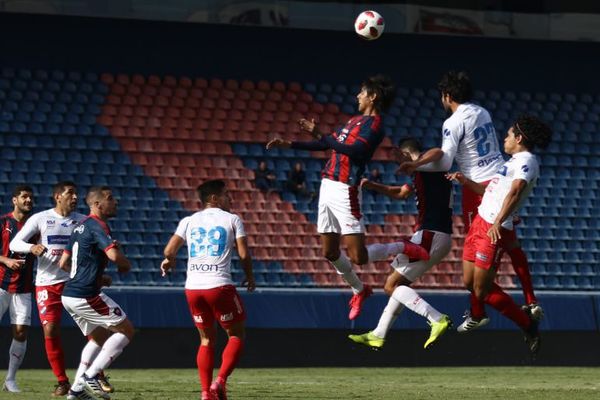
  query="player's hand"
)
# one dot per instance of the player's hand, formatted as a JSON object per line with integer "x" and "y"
{"x": 38, "y": 249}
{"x": 494, "y": 233}
{"x": 456, "y": 177}
{"x": 364, "y": 183}
{"x": 166, "y": 266}
{"x": 15, "y": 264}
{"x": 106, "y": 280}
{"x": 306, "y": 125}
{"x": 407, "y": 167}
{"x": 277, "y": 142}
{"x": 249, "y": 283}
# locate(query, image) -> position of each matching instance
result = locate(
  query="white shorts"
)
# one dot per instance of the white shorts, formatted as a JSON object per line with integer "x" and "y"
{"x": 437, "y": 243}
{"x": 18, "y": 305}
{"x": 339, "y": 208}
{"x": 89, "y": 314}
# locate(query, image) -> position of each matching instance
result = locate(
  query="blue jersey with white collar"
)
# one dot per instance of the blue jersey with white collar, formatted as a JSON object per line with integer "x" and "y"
{"x": 88, "y": 245}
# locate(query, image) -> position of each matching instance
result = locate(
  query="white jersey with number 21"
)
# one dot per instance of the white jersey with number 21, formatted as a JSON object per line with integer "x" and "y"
{"x": 210, "y": 235}
{"x": 469, "y": 138}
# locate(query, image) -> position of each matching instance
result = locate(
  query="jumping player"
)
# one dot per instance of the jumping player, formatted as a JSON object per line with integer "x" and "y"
{"x": 211, "y": 235}
{"x": 352, "y": 147}
{"x": 491, "y": 230}
{"x": 433, "y": 230}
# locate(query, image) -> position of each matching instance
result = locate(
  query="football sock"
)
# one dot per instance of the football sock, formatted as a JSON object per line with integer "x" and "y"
{"x": 477, "y": 307}
{"x": 16, "y": 353}
{"x": 111, "y": 349}
{"x": 205, "y": 359}
{"x": 381, "y": 251}
{"x": 231, "y": 356}
{"x": 416, "y": 303}
{"x": 388, "y": 317}
{"x": 56, "y": 357}
{"x": 502, "y": 302}
{"x": 343, "y": 267}
{"x": 88, "y": 355}
{"x": 521, "y": 267}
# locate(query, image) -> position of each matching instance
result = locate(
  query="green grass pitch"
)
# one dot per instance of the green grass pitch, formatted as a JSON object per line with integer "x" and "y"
{"x": 513, "y": 383}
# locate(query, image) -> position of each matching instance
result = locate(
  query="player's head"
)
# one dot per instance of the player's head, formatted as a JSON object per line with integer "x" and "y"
{"x": 214, "y": 194}
{"x": 65, "y": 196}
{"x": 101, "y": 201}
{"x": 22, "y": 199}
{"x": 410, "y": 148}
{"x": 377, "y": 93}
{"x": 455, "y": 87}
{"x": 527, "y": 134}
{"x": 298, "y": 166}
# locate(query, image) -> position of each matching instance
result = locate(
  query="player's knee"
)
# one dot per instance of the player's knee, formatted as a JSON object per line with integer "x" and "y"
{"x": 331, "y": 254}
{"x": 51, "y": 330}
{"x": 468, "y": 282}
{"x": 479, "y": 290}
{"x": 358, "y": 257}
{"x": 20, "y": 335}
{"x": 389, "y": 288}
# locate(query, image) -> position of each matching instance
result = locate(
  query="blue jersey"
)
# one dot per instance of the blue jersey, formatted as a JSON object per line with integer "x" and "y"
{"x": 88, "y": 245}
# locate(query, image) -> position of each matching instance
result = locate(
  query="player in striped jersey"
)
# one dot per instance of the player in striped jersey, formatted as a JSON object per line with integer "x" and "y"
{"x": 469, "y": 138}
{"x": 352, "y": 147}
{"x": 16, "y": 281}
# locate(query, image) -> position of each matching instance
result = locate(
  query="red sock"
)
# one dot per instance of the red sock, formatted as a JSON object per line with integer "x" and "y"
{"x": 205, "y": 359}
{"x": 502, "y": 302}
{"x": 521, "y": 267}
{"x": 231, "y": 356}
{"x": 477, "y": 307}
{"x": 56, "y": 357}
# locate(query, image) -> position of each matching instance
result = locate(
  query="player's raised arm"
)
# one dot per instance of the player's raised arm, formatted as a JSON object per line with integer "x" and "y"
{"x": 463, "y": 180}
{"x": 433, "y": 160}
{"x": 395, "y": 192}
{"x": 170, "y": 253}
{"x": 246, "y": 261}
{"x": 19, "y": 243}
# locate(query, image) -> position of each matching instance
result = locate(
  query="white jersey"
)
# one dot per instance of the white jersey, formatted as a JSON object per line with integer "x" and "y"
{"x": 54, "y": 232}
{"x": 523, "y": 165}
{"x": 210, "y": 235}
{"x": 469, "y": 137}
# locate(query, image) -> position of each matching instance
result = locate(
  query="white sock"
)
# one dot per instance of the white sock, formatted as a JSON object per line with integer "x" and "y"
{"x": 88, "y": 355}
{"x": 343, "y": 266}
{"x": 388, "y": 317}
{"x": 382, "y": 251}
{"x": 113, "y": 346}
{"x": 416, "y": 303}
{"x": 16, "y": 353}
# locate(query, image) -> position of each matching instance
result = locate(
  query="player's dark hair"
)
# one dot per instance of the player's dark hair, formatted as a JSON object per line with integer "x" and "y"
{"x": 384, "y": 88}
{"x": 21, "y": 188}
{"x": 410, "y": 144}
{"x": 209, "y": 188}
{"x": 59, "y": 187}
{"x": 95, "y": 194}
{"x": 534, "y": 131}
{"x": 458, "y": 85}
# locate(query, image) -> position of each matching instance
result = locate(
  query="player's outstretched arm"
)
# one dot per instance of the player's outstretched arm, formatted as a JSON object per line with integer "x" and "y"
{"x": 279, "y": 143}
{"x": 311, "y": 127}
{"x": 395, "y": 192}
{"x": 116, "y": 256}
{"x": 433, "y": 160}
{"x": 65, "y": 261}
{"x": 12, "y": 263}
{"x": 246, "y": 261}
{"x": 463, "y": 180}
{"x": 170, "y": 253}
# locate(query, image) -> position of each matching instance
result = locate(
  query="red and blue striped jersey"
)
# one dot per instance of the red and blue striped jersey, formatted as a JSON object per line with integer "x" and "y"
{"x": 21, "y": 280}
{"x": 353, "y": 146}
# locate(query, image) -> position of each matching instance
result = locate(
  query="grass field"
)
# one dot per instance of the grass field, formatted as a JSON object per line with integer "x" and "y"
{"x": 515, "y": 383}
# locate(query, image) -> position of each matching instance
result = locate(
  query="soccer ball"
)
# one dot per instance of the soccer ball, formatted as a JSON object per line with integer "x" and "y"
{"x": 369, "y": 25}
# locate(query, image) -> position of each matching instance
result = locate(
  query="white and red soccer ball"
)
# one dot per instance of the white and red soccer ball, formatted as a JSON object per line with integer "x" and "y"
{"x": 369, "y": 25}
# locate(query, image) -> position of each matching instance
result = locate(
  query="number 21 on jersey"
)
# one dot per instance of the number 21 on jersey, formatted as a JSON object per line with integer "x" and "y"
{"x": 211, "y": 243}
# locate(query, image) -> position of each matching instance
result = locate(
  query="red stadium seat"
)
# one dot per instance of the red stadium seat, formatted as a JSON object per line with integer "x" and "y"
{"x": 107, "y": 79}
{"x": 170, "y": 80}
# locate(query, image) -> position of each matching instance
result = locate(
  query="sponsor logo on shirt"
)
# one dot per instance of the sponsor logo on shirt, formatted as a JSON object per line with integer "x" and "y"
{"x": 446, "y": 132}
{"x": 58, "y": 239}
{"x": 203, "y": 267}
{"x": 50, "y": 222}
{"x": 198, "y": 319}
{"x": 524, "y": 168}
{"x": 226, "y": 317}
{"x": 117, "y": 311}
{"x": 66, "y": 224}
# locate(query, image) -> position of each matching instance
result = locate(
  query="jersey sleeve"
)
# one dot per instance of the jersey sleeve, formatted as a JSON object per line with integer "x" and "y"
{"x": 452, "y": 134}
{"x": 526, "y": 170}
{"x": 104, "y": 240}
{"x": 31, "y": 228}
{"x": 238, "y": 226}
{"x": 182, "y": 228}
{"x": 69, "y": 248}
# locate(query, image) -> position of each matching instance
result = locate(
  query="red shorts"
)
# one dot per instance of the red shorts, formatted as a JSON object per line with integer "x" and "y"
{"x": 470, "y": 203}
{"x": 479, "y": 248}
{"x": 49, "y": 302}
{"x": 222, "y": 303}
